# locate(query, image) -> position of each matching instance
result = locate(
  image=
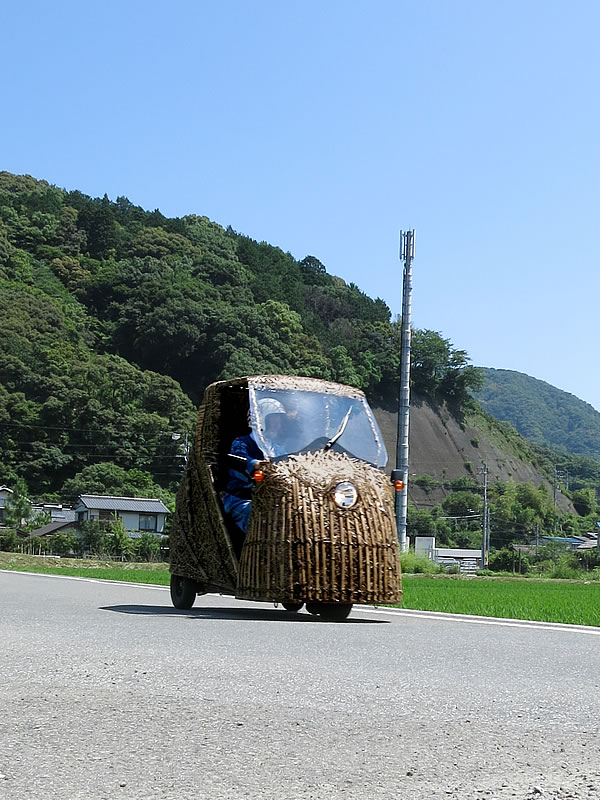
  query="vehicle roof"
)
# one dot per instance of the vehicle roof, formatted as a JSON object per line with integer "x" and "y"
{"x": 290, "y": 382}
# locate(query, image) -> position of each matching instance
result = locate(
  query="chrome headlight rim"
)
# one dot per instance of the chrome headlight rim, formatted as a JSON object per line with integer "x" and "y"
{"x": 345, "y": 495}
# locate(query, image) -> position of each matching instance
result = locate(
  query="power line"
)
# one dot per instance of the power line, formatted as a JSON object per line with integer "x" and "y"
{"x": 60, "y": 427}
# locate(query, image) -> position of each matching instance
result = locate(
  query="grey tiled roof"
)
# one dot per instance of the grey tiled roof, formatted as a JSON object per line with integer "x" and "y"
{"x": 109, "y": 503}
{"x": 51, "y": 527}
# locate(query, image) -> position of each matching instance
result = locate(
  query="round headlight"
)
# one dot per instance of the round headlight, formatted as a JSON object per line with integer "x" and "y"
{"x": 345, "y": 494}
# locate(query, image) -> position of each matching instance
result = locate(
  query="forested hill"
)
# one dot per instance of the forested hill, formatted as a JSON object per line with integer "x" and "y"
{"x": 113, "y": 320}
{"x": 541, "y": 412}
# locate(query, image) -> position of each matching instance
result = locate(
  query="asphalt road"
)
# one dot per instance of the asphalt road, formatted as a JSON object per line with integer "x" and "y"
{"x": 107, "y": 691}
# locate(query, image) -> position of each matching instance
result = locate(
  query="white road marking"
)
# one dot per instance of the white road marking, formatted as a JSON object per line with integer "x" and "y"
{"x": 440, "y": 616}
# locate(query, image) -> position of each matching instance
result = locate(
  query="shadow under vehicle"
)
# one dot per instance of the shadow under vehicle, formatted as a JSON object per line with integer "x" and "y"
{"x": 322, "y": 530}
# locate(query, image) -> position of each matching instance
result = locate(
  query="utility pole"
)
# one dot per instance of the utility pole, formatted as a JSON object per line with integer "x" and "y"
{"x": 407, "y": 253}
{"x": 485, "y": 534}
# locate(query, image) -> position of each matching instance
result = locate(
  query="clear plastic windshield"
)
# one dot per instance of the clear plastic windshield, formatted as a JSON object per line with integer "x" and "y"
{"x": 287, "y": 421}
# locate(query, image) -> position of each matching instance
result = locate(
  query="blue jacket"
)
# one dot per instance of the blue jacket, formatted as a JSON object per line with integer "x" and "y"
{"x": 240, "y": 482}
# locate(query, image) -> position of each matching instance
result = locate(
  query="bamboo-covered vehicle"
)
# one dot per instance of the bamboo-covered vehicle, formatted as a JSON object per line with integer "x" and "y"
{"x": 322, "y": 528}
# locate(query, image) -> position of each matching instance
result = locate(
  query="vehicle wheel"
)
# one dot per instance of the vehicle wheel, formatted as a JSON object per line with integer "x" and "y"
{"x": 183, "y": 592}
{"x": 333, "y": 612}
{"x": 291, "y": 606}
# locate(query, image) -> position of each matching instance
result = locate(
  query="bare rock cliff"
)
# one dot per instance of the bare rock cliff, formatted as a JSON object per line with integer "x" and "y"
{"x": 446, "y": 448}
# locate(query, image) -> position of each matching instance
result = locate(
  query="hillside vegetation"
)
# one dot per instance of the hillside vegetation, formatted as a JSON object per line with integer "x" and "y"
{"x": 541, "y": 412}
{"x": 114, "y": 319}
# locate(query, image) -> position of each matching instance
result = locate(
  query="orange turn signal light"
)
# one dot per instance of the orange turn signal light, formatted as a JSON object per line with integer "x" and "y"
{"x": 259, "y": 476}
{"x": 398, "y": 485}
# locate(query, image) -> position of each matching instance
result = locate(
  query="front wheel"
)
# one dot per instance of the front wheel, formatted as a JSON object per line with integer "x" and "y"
{"x": 183, "y": 592}
{"x": 334, "y": 612}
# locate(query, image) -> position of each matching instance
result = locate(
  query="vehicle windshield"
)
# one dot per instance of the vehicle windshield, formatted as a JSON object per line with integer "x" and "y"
{"x": 288, "y": 421}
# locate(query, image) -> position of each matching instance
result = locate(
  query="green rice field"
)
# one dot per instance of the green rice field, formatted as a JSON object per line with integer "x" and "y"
{"x": 570, "y": 602}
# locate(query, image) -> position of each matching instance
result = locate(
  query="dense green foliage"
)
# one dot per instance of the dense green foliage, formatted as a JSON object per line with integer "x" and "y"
{"x": 541, "y": 412}
{"x": 519, "y": 513}
{"x": 114, "y": 319}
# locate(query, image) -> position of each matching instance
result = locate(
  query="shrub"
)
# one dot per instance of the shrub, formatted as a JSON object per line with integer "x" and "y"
{"x": 507, "y": 560}
{"x": 413, "y": 563}
{"x": 426, "y": 482}
{"x": 61, "y": 544}
{"x": 9, "y": 541}
{"x": 564, "y": 568}
{"x": 148, "y": 548}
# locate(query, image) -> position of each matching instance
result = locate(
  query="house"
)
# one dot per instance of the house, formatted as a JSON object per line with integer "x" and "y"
{"x": 5, "y": 493}
{"x": 56, "y": 511}
{"x": 584, "y": 541}
{"x": 138, "y": 514}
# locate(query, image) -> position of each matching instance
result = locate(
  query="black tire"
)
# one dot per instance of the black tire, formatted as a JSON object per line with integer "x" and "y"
{"x": 291, "y": 606}
{"x": 183, "y": 592}
{"x": 333, "y": 612}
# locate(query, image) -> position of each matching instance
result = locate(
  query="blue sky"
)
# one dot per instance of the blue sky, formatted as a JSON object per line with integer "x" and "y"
{"x": 326, "y": 127}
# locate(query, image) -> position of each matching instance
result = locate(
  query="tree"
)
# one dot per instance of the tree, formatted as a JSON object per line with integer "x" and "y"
{"x": 98, "y": 221}
{"x": 18, "y": 506}
{"x": 94, "y": 539}
{"x": 122, "y": 545}
{"x": 584, "y": 501}
{"x": 439, "y": 371}
{"x": 109, "y": 478}
{"x": 419, "y": 522}
{"x": 313, "y": 272}
{"x": 462, "y": 504}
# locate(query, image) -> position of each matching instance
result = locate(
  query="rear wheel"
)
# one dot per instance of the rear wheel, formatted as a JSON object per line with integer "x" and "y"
{"x": 335, "y": 611}
{"x": 291, "y": 606}
{"x": 183, "y": 592}
{"x": 330, "y": 611}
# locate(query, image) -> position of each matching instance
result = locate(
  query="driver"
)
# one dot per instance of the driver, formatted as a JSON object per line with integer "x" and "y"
{"x": 237, "y": 498}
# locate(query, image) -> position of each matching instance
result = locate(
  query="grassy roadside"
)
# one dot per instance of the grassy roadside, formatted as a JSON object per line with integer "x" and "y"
{"x": 569, "y": 602}
{"x": 132, "y": 572}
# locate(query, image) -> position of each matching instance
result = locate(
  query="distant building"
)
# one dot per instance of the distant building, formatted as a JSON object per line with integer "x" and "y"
{"x": 5, "y": 493}
{"x": 584, "y": 541}
{"x": 138, "y": 514}
{"x": 463, "y": 559}
{"x": 57, "y": 512}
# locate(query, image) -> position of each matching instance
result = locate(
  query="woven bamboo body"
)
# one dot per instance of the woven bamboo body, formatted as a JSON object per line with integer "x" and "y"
{"x": 301, "y": 546}
{"x": 199, "y": 545}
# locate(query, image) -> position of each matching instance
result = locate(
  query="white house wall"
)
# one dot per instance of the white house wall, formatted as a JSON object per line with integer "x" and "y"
{"x": 131, "y": 521}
